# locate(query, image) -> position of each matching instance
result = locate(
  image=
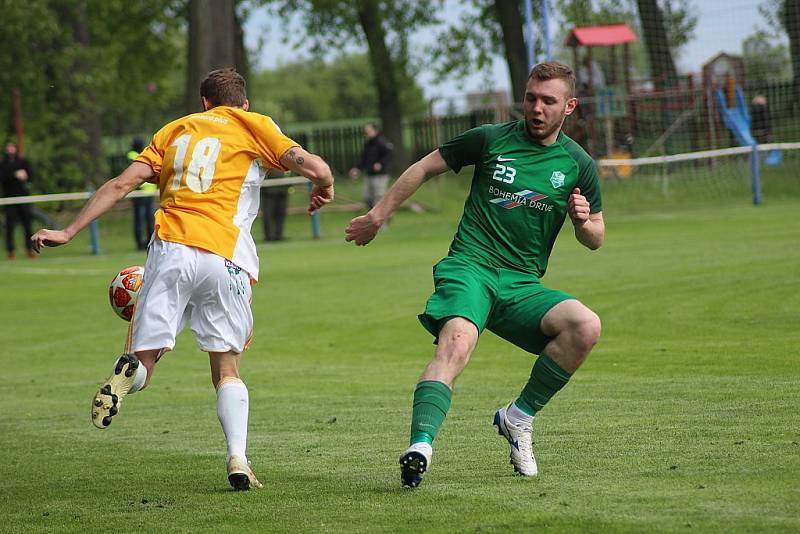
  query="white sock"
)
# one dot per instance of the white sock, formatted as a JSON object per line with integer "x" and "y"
{"x": 517, "y": 417}
{"x": 232, "y": 407}
{"x": 423, "y": 447}
{"x": 139, "y": 379}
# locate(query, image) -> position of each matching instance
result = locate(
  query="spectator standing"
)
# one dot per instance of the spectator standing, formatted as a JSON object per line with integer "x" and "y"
{"x": 374, "y": 164}
{"x": 143, "y": 212}
{"x": 759, "y": 117}
{"x": 274, "y": 200}
{"x": 16, "y": 175}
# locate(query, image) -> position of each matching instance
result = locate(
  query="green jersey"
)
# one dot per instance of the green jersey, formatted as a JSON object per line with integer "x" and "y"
{"x": 518, "y": 199}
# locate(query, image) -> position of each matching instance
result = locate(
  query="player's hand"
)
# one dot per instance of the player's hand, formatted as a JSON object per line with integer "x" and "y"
{"x": 49, "y": 238}
{"x": 319, "y": 197}
{"x": 578, "y": 207}
{"x": 362, "y": 229}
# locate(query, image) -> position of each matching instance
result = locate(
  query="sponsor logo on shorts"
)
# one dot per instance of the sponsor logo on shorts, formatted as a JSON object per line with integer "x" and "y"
{"x": 235, "y": 283}
{"x": 528, "y": 198}
{"x": 233, "y": 269}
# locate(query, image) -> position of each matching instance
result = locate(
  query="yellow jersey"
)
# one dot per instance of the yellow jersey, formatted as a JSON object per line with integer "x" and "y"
{"x": 210, "y": 166}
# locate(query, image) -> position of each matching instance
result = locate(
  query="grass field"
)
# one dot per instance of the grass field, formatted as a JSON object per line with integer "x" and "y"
{"x": 685, "y": 418}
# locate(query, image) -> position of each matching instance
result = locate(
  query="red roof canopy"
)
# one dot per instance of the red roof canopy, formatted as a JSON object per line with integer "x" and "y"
{"x": 607, "y": 35}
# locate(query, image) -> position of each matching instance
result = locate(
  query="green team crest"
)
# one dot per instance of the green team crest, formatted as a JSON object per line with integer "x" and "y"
{"x": 557, "y": 179}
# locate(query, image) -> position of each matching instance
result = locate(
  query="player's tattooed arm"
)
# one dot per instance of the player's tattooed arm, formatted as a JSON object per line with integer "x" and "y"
{"x": 315, "y": 169}
{"x": 293, "y": 156}
{"x": 309, "y": 165}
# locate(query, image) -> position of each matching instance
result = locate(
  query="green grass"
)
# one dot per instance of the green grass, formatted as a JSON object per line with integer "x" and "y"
{"x": 684, "y": 418}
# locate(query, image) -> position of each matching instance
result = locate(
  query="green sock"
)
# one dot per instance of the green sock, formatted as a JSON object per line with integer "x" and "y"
{"x": 547, "y": 377}
{"x": 431, "y": 402}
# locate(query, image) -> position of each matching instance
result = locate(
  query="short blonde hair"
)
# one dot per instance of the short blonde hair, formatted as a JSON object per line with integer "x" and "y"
{"x": 551, "y": 70}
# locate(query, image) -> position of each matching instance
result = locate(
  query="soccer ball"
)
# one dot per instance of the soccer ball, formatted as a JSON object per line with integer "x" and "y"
{"x": 124, "y": 289}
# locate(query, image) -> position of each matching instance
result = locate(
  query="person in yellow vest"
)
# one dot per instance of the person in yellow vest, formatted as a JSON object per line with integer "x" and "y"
{"x": 143, "y": 212}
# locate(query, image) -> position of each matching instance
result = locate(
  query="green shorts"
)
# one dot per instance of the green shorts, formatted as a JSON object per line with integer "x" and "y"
{"x": 509, "y": 303}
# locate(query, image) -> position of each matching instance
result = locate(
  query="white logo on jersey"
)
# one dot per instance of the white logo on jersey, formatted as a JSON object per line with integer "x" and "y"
{"x": 501, "y": 158}
{"x": 557, "y": 179}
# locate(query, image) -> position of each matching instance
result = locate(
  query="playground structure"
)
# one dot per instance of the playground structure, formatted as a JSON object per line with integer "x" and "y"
{"x": 622, "y": 118}
{"x": 723, "y": 76}
{"x": 604, "y": 101}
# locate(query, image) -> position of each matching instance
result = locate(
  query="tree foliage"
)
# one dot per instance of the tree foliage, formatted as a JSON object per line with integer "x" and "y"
{"x": 473, "y": 40}
{"x": 783, "y": 19}
{"x": 380, "y": 25}
{"x": 86, "y": 67}
{"x": 470, "y": 42}
{"x": 314, "y": 90}
{"x": 766, "y": 59}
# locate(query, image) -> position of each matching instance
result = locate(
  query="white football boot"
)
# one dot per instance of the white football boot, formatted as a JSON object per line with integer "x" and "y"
{"x": 521, "y": 440}
{"x": 108, "y": 399}
{"x": 240, "y": 475}
{"x": 414, "y": 462}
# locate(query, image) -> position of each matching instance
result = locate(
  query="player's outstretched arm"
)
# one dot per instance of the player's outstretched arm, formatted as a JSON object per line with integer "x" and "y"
{"x": 590, "y": 229}
{"x": 315, "y": 169}
{"x": 103, "y": 200}
{"x": 363, "y": 229}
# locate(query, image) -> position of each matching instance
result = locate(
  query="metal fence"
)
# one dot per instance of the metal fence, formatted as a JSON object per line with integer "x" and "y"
{"x": 341, "y": 146}
{"x": 683, "y": 118}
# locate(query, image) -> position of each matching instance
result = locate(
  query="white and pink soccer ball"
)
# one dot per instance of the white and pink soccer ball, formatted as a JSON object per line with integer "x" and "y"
{"x": 124, "y": 290}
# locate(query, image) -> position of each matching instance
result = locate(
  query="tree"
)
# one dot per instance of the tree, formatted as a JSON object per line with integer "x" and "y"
{"x": 216, "y": 40}
{"x": 90, "y": 156}
{"x": 791, "y": 21}
{"x": 485, "y": 29}
{"x": 783, "y": 19}
{"x": 389, "y": 106}
{"x": 382, "y": 26}
{"x": 508, "y": 16}
{"x": 659, "y": 53}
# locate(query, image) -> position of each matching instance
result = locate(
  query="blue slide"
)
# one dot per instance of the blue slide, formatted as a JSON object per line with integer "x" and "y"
{"x": 737, "y": 119}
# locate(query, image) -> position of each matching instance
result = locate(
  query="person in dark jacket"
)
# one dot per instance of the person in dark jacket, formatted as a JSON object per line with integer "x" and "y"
{"x": 759, "y": 115}
{"x": 374, "y": 165}
{"x": 15, "y": 175}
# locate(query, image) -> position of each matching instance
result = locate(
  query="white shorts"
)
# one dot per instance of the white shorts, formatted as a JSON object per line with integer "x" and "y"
{"x": 186, "y": 284}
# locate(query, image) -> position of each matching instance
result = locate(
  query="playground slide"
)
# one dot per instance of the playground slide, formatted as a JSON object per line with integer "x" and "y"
{"x": 737, "y": 119}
